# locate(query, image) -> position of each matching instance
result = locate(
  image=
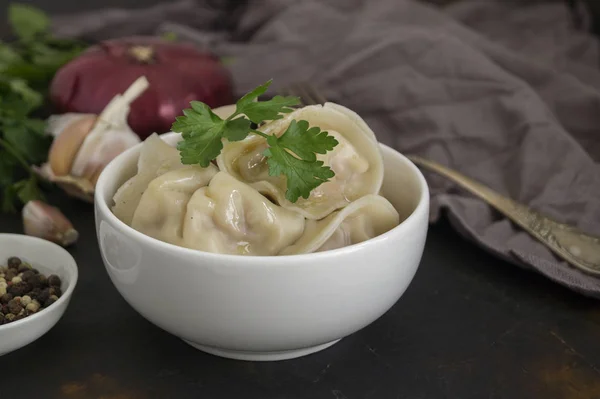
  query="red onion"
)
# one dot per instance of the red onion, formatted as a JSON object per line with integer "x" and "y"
{"x": 178, "y": 73}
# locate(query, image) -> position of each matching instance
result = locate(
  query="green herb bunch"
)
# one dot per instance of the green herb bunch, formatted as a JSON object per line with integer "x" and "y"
{"x": 293, "y": 154}
{"x": 27, "y": 65}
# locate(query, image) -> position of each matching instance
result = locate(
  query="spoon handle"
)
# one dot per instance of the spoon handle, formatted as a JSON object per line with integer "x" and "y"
{"x": 576, "y": 247}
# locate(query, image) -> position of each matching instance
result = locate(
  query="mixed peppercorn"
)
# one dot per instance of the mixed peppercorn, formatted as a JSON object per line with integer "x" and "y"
{"x": 25, "y": 291}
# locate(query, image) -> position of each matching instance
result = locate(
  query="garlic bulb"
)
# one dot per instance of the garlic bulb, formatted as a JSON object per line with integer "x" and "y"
{"x": 47, "y": 222}
{"x": 85, "y": 143}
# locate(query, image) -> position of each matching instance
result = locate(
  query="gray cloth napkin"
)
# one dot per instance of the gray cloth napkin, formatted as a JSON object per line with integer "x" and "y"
{"x": 508, "y": 95}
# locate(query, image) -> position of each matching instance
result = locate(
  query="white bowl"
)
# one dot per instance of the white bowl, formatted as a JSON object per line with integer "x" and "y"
{"x": 48, "y": 258}
{"x": 264, "y": 308}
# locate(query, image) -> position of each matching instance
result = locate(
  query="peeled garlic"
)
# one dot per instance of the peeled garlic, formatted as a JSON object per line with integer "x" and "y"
{"x": 47, "y": 222}
{"x": 85, "y": 143}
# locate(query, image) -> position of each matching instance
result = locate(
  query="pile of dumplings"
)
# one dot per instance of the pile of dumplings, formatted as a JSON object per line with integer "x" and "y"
{"x": 236, "y": 208}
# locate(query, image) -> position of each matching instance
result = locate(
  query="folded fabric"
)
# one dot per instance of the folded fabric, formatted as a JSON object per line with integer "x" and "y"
{"x": 508, "y": 95}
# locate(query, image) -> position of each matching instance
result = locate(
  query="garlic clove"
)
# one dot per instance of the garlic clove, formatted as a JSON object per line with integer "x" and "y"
{"x": 110, "y": 134}
{"x": 91, "y": 160}
{"x": 48, "y": 222}
{"x": 66, "y": 145}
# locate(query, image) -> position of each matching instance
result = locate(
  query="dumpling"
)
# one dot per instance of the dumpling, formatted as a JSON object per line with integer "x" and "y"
{"x": 163, "y": 205}
{"x": 363, "y": 219}
{"x": 230, "y": 217}
{"x": 156, "y": 158}
{"x": 355, "y": 118}
{"x": 356, "y": 161}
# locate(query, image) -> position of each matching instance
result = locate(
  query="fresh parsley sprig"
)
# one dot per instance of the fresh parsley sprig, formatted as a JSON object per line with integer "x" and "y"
{"x": 27, "y": 65}
{"x": 293, "y": 154}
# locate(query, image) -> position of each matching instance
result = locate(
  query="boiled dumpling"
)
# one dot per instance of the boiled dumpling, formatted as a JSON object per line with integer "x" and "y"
{"x": 163, "y": 205}
{"x": 355, "y": 118}
{"x": 156, "y": 158}
{"x": 356, "y": 161}
{"x": 230, "y": 217}
{"x": 363, "y": 219}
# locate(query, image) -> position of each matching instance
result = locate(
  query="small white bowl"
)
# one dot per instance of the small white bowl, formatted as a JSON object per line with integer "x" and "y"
{"x": 48, "y": 258}
{"x": 264, "y": 308}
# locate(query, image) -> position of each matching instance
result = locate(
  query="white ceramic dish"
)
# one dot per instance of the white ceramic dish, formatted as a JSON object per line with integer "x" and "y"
{"x": 264, "y": 308}
{"x": 48, "y": 258}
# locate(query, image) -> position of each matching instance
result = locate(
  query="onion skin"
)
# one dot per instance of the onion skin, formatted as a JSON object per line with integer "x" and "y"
{"x": 178, "y": 73}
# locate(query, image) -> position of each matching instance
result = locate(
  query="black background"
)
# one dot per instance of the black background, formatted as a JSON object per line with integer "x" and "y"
{"x": 469, "y": 326}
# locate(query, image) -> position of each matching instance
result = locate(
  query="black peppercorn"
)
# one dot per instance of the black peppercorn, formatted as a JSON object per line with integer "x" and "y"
{"x": 14, "y": 307}
{"x": 4, "y": 299}
{"x": 19, "y": 289}
{"x": 43, "y": 296}
{"x": 14, "y": 262}
{"x": 27, "y": 290}
{"x": 38, "y": 281}
{"x": 10, "y": 274}
{"x": 54, "y": 280}
{"x": 27, "y": 275}
{"x": 34, "y": 293}
{"x": 55, "y": 291}
{"x": 50, "y": 301}
{"x": 23, "y": 267}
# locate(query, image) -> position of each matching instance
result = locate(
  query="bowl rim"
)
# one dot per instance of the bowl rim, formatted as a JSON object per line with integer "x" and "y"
{"x": 71, "y": 266}
{"x": 102, "y": 206}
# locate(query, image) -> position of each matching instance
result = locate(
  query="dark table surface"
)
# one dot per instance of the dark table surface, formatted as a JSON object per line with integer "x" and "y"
{"x": 469, "y": 326}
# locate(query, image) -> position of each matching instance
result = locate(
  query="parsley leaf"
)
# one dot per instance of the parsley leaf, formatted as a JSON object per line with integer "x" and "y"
{"x": 28, "y": 190}
{"x": 202, "y": 131}
{"x": 27, "y": 66}
{"x": 7, "y": 168}
{"x": 292, "y": 155}
{"x": 304, "y": 173}
{"x": 26, "y": 138}
{"x": 27, "y": 21}
{"x": 9, "y": 197}
{"x": 17, "y": 98}
{"x": 237, "y": 129}
{"x": 197, "y": 119}
{"x": 259, "y": 111}
{"x": 305, "y": 142}
{"x": 30, "y": 96}
{"x": 8, "y": 56}
{"x": 49, "y": 58}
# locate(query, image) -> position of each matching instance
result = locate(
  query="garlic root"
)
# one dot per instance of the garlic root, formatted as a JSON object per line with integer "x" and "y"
{"x": 48, "y": 222}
